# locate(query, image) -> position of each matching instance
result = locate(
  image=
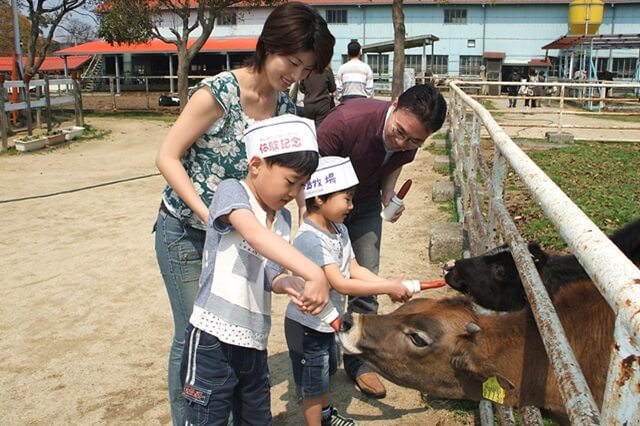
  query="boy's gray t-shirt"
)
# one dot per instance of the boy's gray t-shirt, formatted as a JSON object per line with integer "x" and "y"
{"x": 234, "y": 299}
{"x": 323, "y": 248}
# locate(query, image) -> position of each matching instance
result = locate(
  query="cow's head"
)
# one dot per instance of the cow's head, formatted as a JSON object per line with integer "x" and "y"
{"x": 492, "y": 278}
{"x": 426, "y": 344}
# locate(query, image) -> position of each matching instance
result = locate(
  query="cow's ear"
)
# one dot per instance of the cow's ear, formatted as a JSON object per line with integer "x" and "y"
{"x": 484, "y": 371}
{"x": 504, "y": 382}
{"x": 472, "y": 329}
{"x": 481, "y": 369}
{"x": 539, "y": 256}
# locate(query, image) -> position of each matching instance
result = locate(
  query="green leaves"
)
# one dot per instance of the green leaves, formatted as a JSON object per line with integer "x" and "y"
{"x": 126, "y": 21}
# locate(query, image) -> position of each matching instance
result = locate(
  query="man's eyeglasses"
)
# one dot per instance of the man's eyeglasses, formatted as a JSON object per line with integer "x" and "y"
{"x": 401, "y": 136}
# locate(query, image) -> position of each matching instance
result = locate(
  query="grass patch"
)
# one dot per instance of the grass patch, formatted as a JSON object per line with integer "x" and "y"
{"x": 90, "y": 133}
{"x": 436, "y": 151}
{"x": 625, "y": 118}
{"x": 13, "y": 151}
{"x": 601, "y": 179}
{"x": 450, "y": 208}
{"x": 153, "y": 116}
{"x": 491, "y": 107}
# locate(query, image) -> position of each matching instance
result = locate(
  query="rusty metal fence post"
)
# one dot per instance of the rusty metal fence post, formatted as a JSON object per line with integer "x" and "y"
{"x": 615, "y": 276}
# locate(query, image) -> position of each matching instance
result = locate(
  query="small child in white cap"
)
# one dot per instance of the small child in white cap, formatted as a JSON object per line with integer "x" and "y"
{"x": 246, "y": 254}
{"x": 324, "y": 239}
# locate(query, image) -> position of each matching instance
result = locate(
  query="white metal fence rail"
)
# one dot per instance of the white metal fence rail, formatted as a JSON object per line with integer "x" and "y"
{"x": 617, "y": 278}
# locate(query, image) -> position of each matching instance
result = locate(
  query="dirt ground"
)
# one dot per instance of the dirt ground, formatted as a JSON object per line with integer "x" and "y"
{"x": 86, "y": 322}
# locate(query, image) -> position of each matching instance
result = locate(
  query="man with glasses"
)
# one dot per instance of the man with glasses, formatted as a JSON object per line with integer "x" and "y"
{"x": 379, "y": 137}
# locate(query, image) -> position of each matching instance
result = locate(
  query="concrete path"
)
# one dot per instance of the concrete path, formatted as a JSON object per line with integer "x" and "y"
{"x": 546, "y": 119}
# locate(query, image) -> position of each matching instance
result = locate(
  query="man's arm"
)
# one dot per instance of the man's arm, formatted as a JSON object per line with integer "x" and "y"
{"x": 331, "y": 134}
{"x": 369, "y": 86}
{"x": 339, "y": 86}
{"x": 388, "y": 191}
{"x": 389, "y": 185}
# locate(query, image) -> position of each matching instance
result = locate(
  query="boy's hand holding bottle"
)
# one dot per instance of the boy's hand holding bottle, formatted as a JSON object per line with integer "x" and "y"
{"x": 397, "y": 291}
{"x": 292, "y": 286}
{"x": 316, "y": 293}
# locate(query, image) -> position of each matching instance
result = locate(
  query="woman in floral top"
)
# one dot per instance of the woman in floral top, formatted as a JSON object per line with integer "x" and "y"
{"x": 205, "y": 146}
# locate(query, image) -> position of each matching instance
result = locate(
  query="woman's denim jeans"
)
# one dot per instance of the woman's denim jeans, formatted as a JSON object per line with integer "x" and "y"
{"x": 179, "y": 254}
{"x": 365, "y": 231}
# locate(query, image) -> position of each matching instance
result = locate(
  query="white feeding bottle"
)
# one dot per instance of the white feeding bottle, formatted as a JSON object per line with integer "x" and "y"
{"x": 415, "y": 286}
{"x": 329, "y": 315}
{"x": 396, "y": 201}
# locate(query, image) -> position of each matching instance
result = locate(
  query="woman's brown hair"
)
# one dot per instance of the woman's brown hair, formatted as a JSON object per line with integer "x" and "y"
{"x": 290, "y": 28}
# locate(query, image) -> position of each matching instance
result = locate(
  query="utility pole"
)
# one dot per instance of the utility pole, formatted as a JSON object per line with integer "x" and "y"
{"x": 16, "y": 35}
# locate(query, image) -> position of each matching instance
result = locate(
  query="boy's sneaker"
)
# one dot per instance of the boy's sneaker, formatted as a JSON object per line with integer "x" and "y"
{"x": 337, "y": 420}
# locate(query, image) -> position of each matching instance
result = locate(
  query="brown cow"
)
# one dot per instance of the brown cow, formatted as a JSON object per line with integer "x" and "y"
{"x": 445, "y": 349}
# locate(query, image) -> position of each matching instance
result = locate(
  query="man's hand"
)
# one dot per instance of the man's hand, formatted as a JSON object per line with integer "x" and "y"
{"x": 386, "y": 199}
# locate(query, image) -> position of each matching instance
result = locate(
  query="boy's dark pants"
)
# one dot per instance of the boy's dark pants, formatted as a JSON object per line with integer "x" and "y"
{"x": 218, "y": 376}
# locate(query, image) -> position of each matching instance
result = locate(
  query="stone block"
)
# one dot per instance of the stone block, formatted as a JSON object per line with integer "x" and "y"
{"x": 559, "y": 137}
{"x": 446, "y": 241}
{"x": 441, "y": 143}
{"x": 442, "y": 191}
{"x": 441, "y": 164}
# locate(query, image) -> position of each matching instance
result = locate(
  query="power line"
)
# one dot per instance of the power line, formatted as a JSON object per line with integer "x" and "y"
{"x": 83, "y": 188}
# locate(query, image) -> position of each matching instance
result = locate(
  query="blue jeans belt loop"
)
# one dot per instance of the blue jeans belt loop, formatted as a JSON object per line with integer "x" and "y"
{"x": 164, "y": 208}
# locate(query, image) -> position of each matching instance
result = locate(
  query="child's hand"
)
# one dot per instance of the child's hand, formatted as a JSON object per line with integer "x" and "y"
{"x": 397, "y": 291}
{"x": 293, "y": 286}
{"x": 316, "y": 294}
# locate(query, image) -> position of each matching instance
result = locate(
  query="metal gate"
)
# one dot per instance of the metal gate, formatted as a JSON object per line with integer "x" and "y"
{"x": 617, "y": 278}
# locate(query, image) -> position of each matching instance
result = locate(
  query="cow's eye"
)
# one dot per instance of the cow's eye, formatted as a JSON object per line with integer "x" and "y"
{"x": 417, "y": 340}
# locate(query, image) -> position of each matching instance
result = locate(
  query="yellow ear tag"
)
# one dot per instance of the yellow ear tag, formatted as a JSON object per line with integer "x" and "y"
{"x": 492, "y": 390}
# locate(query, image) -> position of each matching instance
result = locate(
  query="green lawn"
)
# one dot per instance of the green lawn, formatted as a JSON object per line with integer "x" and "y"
{"x": 602, "y": 179}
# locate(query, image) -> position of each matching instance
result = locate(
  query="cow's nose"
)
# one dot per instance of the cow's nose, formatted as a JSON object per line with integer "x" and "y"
{"x": 347, "y": 322}
{"x": 447, "y": 267}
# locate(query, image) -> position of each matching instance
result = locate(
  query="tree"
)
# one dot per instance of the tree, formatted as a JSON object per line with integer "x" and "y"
{"x": 78, "y": 31}
{"x": 7, "y": 44}
{"x": 45, "y": 17}
{"x": 397, "y": 86}
{"x": 136, "y": 21}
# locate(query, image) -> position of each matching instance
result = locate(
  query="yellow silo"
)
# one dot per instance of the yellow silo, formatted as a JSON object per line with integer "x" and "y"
{"x": 585, "y": 16}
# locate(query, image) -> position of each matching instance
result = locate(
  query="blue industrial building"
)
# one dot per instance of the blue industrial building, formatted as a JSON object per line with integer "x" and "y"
{"x": 470, "y": 32}
{"x": 461, "y": 37}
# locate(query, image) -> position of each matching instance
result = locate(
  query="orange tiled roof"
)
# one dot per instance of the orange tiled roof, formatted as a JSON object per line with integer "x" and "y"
{"x": 101, "y": 47}
{"x": 51, "y": 63}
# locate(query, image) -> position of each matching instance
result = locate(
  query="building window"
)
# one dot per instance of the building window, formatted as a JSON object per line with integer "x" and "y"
{"x": 471, "y": 43}
{"x": 379, "y": 63}
{"x": 345, "y": 59}
{"x": 336, "y": 16}
{"x": 413, "y": 61}
{"x": 620, "y": 67}
{"x": 624, "y": 67}
{"x": 438, "y": 64}
{"x": 470, "y": 64}
{"x": 228, "y": 18}
{"x": 455, "y": 16}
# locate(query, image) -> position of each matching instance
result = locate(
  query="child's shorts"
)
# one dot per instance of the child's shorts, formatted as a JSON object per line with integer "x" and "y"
{"x": 313, "y": 357}
{"x": 219, "y": 377}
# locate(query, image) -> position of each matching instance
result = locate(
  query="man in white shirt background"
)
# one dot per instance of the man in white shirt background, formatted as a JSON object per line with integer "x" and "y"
{"x": 354, "y": 78}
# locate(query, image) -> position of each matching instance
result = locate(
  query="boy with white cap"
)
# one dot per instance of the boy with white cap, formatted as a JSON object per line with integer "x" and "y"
{"x": 324, "y": 239}
{"x": 246, "y": 251}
